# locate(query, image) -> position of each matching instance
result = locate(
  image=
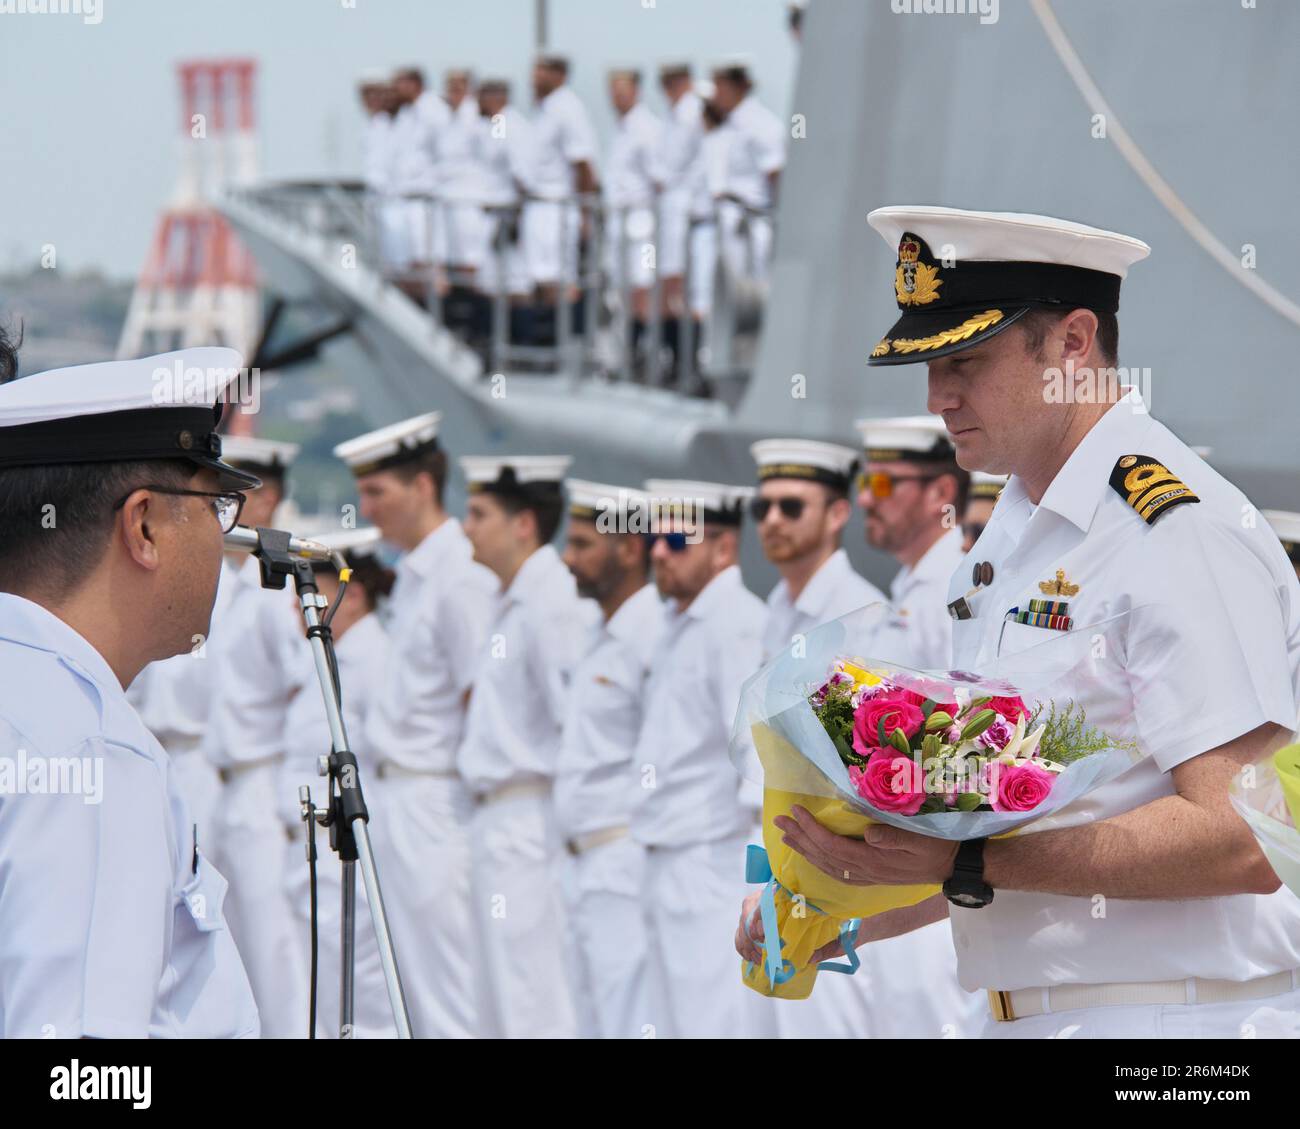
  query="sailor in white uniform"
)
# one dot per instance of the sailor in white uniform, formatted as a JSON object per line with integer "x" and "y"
{"x": 113, "y": 922}
{"x": 460, "y": 176}
{"x": 361, "y": 649}
{"x": 1098, "y": 926}
{"x": 632, "y": 176}
{"x": 691, "y": 814}
{"x": 255, "y": 663}
{"x": 912, "y": 494}
{"x": 440, "y": 607}
{"x": 679, "y": 148}
{"x": 378, "y": 158}
{"x": 564, "y": 154}
{"x": 512, "y": 740}
{"x": 596, "y": 779}
{"x": 504, "y": 152}
{"x": 755, "y": 156}
{"x": 421, "y": 120}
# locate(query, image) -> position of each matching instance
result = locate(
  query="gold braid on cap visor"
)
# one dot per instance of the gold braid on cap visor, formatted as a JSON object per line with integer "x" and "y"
{"x": 968, "y": 328}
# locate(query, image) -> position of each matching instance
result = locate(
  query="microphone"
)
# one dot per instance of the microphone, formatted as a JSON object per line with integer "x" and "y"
{"x": 241, "y": 539}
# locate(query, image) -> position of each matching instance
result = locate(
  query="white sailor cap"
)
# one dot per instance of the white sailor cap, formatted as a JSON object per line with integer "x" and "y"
{"x": 985, "y": 485}
{"x": 588, "y": 501}
{"x": 962, "y": 277}
{"x": 261, "y": 456}
{"x": 374, "y": 76}
{"x": 919, "y": 438}
{"x": 537, "y": 477}
{"x": 161, "y": 407}
{"x": 390, "y": 446}
{"x": 1287, "y": 527}
{"x": 805, "y": 459}
{"x": 714, "y": 502}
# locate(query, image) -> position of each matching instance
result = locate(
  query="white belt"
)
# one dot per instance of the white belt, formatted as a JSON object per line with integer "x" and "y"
{"x": 581, "y": 844}
{"x": 1024, "y": 1002}
{"x": 392, "y": 768}
{"x": 513, "y": 789}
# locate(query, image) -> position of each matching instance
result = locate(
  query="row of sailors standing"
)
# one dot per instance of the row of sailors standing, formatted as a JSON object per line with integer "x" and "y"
{"x": 558, "y": 826}
{"x": 694, "y": 188}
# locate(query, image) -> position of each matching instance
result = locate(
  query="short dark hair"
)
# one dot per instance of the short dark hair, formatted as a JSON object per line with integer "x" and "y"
{"x": 9, "y": 354}
{"x": 56, "y": 519}
{"x": 546, "y": 511}
{"x": 1038, "y": 322}
{"x": 432, "y": 462}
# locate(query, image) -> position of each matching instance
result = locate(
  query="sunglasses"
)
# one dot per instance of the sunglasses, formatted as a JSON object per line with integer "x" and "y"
{"x": 676, "y": 542}
{"x": 791, "y": 508}
{"x": 226, "y": 507}
{"x": 881, "y": 483}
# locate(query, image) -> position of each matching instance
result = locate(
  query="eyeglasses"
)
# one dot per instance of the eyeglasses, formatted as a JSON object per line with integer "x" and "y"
{"x": 881, "y": 483}
{"x": 226, "y": 507}
{"x": 791, "y": 508}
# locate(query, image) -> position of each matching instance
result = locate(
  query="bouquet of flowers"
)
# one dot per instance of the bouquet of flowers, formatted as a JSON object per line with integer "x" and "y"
{"x": 855, "y": 740}
{"x": 1267, "y": 797}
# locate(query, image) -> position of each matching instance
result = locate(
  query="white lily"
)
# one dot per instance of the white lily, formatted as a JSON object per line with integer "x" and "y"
{"x": 1029, "y": 746}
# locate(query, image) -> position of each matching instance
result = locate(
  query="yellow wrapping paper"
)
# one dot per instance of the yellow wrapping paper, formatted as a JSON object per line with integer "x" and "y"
{"x": 1286, "y": 762}
{"x": 803, "y": 930}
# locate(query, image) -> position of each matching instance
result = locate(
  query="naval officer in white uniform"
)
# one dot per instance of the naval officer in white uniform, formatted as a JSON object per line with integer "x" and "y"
{"x": 1287, "y": 527}
{"x": 693, "y": 813}
{"x": 1100, "y": 926}
{"x": 596, "y": 779}
{"x": 512, "y": 739}
{"x": 440, "y": 606}
{"x": 113, "y": 915}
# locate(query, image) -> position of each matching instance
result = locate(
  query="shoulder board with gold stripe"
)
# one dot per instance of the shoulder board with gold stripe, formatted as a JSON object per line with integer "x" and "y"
{"x": 1148, "y": 486}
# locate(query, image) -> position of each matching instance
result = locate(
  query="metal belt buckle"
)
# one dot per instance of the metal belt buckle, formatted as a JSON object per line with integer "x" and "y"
{"x": 1000, "y": 1005}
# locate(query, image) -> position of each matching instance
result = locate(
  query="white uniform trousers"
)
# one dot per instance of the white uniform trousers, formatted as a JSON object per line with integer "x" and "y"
{"x": 519, "y": 906}
{"x": 602, "y": 893}
{"x": 674, "y": 218}
{"x": 906, "y": 987}
{"x": 630, "y": 248}
{"x": 550, "y": 234}
{"x": 704, "y": 267}
{"x": 252, "y": 838}
{"x": 691, "y": 906}
{"x": 745, "y": 243}
{"x": 372, "y": 1016}
{"x": 420, "y": 836}
{"x": 1276, "y": 1017}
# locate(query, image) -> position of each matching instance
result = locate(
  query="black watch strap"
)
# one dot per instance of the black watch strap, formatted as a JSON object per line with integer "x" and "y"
{"x": 966, "y": 886}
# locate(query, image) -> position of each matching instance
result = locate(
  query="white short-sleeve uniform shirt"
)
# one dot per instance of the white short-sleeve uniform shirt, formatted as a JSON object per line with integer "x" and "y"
{"x": 690, "y": 791}
{"x": 834, "y": 590}
{"x": 112, "y": 924}
{"x": 1211, "y": 652}
{"x": 562, "y": 136}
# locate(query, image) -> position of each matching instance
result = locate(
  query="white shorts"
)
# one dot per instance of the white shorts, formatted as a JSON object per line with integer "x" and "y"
{"x": 550, "y": 241}
{"x": 463, "y": 233}
{"x": 630, "y": 238}
{"x": 704, "y": 265}
{"x": 674, "y": 226}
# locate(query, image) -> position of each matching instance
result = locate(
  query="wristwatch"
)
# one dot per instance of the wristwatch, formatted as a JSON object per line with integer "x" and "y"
{"x": 966, "y": 886}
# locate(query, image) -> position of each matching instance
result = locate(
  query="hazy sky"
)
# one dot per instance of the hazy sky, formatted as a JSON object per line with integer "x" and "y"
{"x": 90, "y": 126}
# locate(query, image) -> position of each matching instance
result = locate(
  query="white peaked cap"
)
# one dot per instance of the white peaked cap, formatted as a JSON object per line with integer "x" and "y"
{"x": 484, "y": 471}
{"x": 905, "y": 437}
{"x": 391, "y": 445}
{"x": 1010, "y": 237}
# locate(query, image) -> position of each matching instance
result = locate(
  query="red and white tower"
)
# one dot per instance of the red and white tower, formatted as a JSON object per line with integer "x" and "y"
{"x": 198, "y": 285}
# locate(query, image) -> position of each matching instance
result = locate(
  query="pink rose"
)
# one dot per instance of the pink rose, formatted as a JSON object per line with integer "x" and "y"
{"x": 890, "y": 782}
{"x": 896, "y": 713}
{"x": 1020, "y": 787}
{"x": 1013, "y": 709}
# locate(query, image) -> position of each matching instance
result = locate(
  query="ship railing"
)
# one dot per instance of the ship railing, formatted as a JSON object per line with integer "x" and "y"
{"x": 700, "y": 332}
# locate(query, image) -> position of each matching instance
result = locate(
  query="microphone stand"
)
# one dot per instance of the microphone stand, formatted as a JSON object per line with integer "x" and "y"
{"x": 346, "y": 815}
